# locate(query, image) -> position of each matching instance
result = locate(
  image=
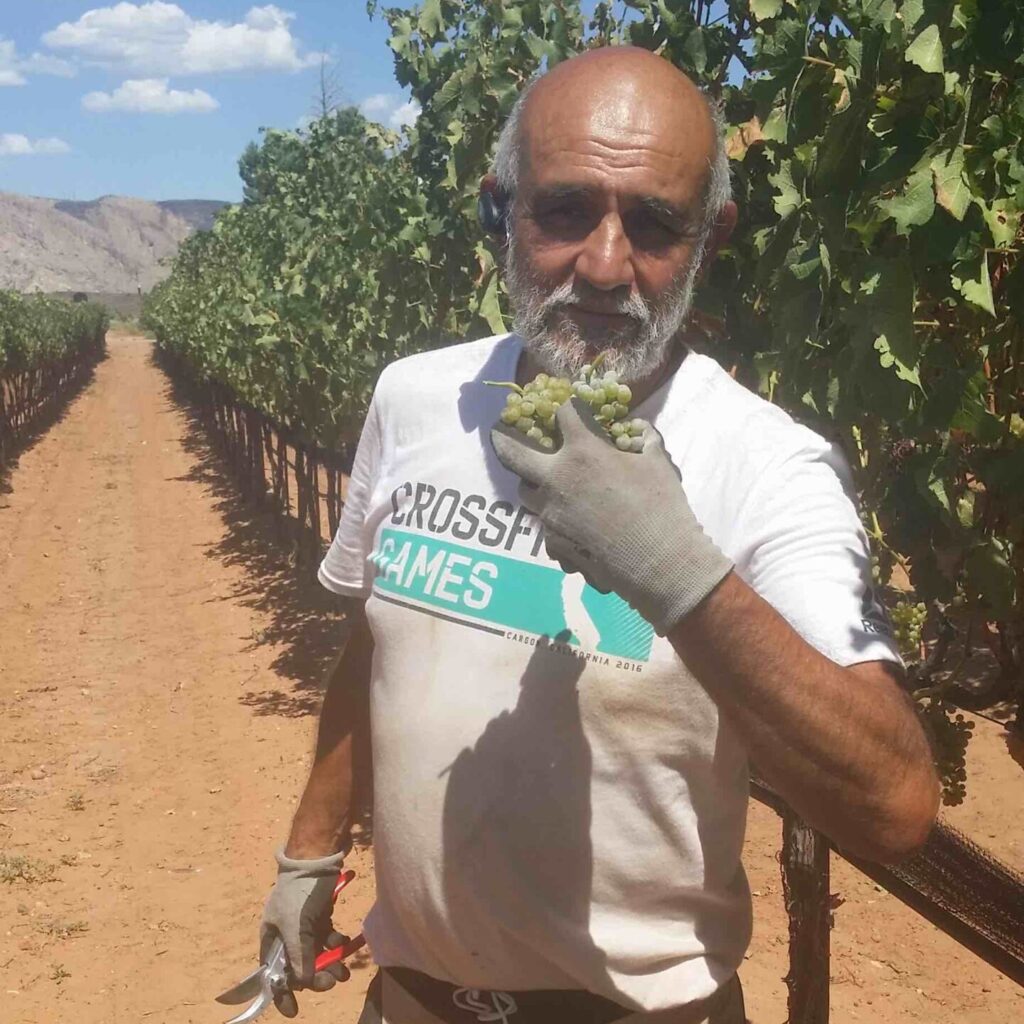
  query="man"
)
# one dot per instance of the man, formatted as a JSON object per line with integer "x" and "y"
{"x": 560, "y": 758}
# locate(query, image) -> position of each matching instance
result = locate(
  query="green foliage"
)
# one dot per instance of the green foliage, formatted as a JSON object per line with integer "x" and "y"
{"x": 875, "y": 288}
{"x": 37, "y": 332}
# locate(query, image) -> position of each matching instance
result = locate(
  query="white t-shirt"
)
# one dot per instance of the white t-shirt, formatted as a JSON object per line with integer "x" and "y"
{"x": 557, "y": 803}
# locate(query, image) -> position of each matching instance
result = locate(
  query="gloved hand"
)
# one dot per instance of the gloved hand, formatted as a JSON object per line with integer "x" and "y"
{"x": 621, "y": 519}
{"x": 299, "y": 911}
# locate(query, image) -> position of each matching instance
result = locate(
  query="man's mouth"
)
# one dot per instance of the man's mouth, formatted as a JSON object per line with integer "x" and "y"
{"x": 596, "y": 313}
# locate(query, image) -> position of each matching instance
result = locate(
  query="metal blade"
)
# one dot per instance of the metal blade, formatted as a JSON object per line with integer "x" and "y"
{"x": 259, "y": 1005}
{"x": 251, "y": 985}
{"x": 248, "y": 988}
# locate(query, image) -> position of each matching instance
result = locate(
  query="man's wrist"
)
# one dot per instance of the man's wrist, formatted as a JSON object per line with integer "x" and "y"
{"x": 309, "y": 861}
{"x": 681, "y": 567}
{"x": 314, "y": 846}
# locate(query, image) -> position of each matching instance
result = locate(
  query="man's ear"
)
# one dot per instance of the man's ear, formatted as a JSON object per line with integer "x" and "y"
{"x": 725, "y": 224}
{"x": 492, "y": 208}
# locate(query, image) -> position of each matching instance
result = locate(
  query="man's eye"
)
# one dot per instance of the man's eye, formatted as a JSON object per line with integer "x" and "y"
{"x": 653, "y": 230}
{"x": 564, "y": 214}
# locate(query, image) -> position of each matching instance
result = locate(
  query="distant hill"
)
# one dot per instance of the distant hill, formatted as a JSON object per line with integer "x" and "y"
{"x": 114, "y": 244}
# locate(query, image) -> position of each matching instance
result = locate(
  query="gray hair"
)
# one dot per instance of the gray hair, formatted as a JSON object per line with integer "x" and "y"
{"x": 509, "y": 151}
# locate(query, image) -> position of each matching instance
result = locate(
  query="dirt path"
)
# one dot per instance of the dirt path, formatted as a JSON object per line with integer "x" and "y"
{"x": 159, "y": 676}
{"x": 158, "y": 672}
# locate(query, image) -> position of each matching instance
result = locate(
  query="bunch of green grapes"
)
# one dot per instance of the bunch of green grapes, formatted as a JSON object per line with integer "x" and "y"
{"x": 908, "y": 620}
{"x": 531, "y": 409}
{"x": 949, "y": 733}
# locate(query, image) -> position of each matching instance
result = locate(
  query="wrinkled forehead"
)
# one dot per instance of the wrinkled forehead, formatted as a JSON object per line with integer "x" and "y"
{"x": 620, "y": 138}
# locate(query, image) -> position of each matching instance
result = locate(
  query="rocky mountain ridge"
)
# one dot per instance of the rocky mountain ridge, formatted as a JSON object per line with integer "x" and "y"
{"x": 114, "y": 244}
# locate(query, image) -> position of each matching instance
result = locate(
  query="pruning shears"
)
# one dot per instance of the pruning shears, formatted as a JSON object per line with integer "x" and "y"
{"x": 271, "y": 977}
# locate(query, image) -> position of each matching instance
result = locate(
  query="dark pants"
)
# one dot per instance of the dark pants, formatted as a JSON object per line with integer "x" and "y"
{"x": 390, "y": 1002}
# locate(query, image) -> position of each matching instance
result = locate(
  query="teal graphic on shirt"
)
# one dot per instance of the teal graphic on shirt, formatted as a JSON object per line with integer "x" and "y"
{"x": 514, "y": 594}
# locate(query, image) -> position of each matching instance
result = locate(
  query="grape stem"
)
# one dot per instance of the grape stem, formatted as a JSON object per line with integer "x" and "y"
{"x": 506, "y": 384}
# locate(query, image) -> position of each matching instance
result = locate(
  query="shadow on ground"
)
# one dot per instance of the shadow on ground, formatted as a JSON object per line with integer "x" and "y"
{"x": 50, "y": 418}
{"x": 305, "y": 622}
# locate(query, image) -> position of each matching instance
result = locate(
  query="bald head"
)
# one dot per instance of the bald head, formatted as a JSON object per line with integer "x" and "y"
{"x": 616, "y": 97}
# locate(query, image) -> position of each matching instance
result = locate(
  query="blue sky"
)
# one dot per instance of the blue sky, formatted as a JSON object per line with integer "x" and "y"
{"x": 158, "y": 98}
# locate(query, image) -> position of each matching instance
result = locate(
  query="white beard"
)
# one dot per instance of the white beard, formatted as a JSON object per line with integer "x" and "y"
{"x": 633, "y": 351}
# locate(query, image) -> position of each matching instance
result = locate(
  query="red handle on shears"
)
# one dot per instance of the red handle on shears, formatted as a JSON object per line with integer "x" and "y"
{"x": 332, "y": 956}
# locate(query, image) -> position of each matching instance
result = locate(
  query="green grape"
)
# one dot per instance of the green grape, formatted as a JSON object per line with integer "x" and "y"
{"x": 950, "y": 733}
{"x": 531, "y": 408}
{"x": 908, "y": 622}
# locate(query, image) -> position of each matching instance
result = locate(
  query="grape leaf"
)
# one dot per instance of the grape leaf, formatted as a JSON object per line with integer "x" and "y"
{"x": 1003, "y": 219}
{"x": 888, "y": 310}
{"x": 990, "y": 575}
{"x": 490, "y": 307}
{"x": 951, "y": 191}
{"x": 431, "y": 21}
{"x": 971, "y": 279}
{"x": 765, "y": 9}
{"x": 926, "y": 51}
{"x": 787, "y": 198}
{"x": 916, "y": 205}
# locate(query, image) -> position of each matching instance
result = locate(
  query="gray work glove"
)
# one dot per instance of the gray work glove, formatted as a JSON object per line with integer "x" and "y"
{"x": 299, "y": 911}
{"x": 619, "y": 518}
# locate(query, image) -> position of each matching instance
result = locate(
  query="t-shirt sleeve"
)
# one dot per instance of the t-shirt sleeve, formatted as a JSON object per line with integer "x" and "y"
{"x": 807, "y": 554}
{"x": 346, "y": 568}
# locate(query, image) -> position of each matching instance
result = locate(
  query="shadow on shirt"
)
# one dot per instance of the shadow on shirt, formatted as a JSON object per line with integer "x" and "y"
{"x": 518, "y": 862}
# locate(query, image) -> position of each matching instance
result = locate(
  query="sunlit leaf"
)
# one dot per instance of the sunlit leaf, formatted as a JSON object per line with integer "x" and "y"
{"x": 926, "y": 51}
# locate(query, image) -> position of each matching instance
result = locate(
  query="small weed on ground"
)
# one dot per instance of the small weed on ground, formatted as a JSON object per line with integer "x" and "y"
{"x": 58, "y": 974}
{"x": 63, "y": 929}
{"x": 76, "y": 802}
{"x": 17, "y": 867}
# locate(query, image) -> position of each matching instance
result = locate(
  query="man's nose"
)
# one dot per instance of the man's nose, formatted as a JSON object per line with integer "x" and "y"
{"x": 606, "y": 261}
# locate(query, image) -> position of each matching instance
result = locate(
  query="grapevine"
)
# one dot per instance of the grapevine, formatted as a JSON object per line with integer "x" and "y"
{"x": 873, "y": 289}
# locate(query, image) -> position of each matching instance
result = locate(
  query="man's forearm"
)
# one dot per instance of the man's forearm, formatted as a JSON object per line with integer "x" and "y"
{"x": 324, "y": 816}
{"x": 845, "y": 750}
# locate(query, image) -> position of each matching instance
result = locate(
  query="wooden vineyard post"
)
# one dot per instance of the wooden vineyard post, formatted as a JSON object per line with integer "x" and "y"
{"x": 805, "y": 887}
{"x": 316, "y": 543}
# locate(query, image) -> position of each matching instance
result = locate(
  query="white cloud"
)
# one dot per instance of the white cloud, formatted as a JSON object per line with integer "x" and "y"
{"x": 379, "y": 103}
{"x": 22, "y": 145}
{"x": 405, "y": 114}
{"x": 160, "y": 37}
{"x": 385, "y": 108}
{"x": 150, "y": 96}
{"x": 13, "y": 68}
